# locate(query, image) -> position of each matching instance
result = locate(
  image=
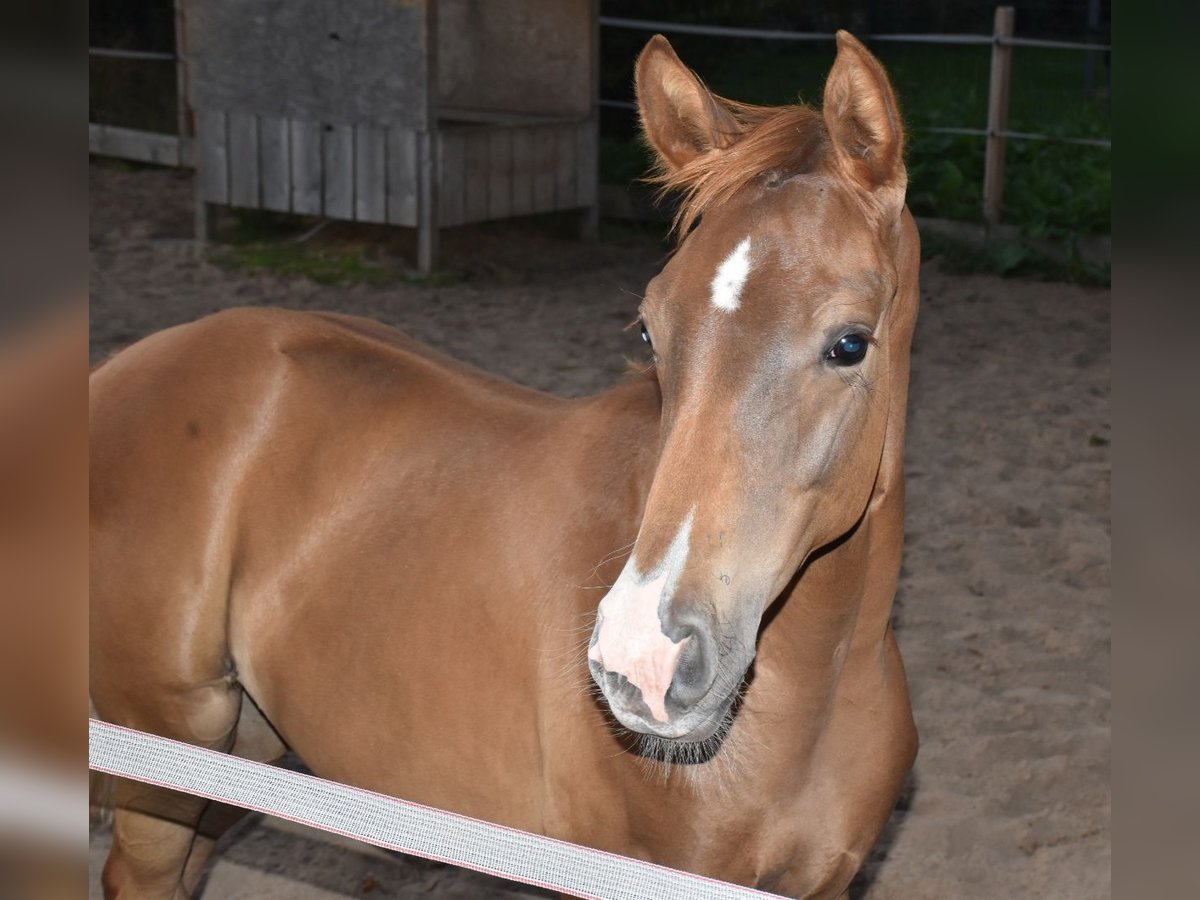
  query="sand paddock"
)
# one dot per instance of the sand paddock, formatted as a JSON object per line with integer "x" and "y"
{"x": 1003, "y": 613}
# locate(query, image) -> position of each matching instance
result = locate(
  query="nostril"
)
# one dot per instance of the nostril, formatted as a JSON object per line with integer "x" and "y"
{"x": 695, "y": 671}
{"x": 617, "y": 685}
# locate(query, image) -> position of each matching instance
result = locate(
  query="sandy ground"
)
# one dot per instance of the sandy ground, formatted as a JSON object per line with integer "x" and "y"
{"x": 1003, "y": 612}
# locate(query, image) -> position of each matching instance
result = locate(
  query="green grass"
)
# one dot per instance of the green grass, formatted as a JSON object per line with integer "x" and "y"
{"x": 341, "y": 253}
{"x": 295, "y": 260}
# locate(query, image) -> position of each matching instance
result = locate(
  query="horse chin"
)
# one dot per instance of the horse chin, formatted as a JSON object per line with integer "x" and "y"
{"x": 692, "y": 728}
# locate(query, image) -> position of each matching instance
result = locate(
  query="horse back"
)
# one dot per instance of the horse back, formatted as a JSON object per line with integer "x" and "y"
{"x": 216, "y": 446}
{"x": 195, "y": 405}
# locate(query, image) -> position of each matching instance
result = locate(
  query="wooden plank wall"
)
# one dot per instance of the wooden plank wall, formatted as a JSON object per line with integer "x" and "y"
{"x": 498, "y": 171}
{"x": 364, "y": 173}
{"x": 305, "y": 175}
{"x": 368, "y": 173}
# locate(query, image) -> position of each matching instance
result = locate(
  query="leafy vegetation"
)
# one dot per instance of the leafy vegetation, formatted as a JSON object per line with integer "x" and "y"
{"x": 1010, "y": 258}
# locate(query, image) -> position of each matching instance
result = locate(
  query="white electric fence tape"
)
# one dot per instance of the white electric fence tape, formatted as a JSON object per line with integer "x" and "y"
{"x": 394, "y": 824}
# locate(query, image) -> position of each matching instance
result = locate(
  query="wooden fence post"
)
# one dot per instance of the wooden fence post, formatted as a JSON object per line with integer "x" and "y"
{"x": 993, "y": 164}
{"x": 429, "y": 155}
{"x": 185, "y": 126}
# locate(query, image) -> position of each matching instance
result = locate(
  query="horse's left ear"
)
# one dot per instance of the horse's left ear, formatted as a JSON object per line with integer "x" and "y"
{"x": 863, "y": 119}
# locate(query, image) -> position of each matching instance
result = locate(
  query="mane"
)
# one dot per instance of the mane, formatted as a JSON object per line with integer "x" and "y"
{"x": 770, "y": 141}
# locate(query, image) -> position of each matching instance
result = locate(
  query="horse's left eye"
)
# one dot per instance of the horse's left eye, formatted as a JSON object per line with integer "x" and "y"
{"x": 850, "y": 349}
{"x": 646, "y": 334}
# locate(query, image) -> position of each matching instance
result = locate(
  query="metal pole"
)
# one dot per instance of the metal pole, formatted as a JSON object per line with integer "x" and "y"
{"x": 998, "y": 90}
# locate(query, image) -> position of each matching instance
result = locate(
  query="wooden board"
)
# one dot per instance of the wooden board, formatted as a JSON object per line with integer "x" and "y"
{"x": 476, "y": 175}
{"x": 587, "y": 147}
{"x": 306, "y": 179}
{"x": 337, "y": 63}
{"x": 453, "y": 174}
{"x": 370, "y": 174}
{"x": 402, "y": 162}
{"x": 566, "y": 171}
{"x": 140, "y": 146}
{"x": 500, "y": 173}
{"x": 213, "y": 155}
{"x": 522, "y": 172}
{"x": 337, "y": 167}
{"x": 274, "y": 156}
{"x": 243, "y": 160}
{"x": 544, "y": 166}
{"x": 427, "y": 202}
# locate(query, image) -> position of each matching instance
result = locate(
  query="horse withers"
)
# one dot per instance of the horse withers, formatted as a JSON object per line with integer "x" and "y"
{"x": 311, "y": 532}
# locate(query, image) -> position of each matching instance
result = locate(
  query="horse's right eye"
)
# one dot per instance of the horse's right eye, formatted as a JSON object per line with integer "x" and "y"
{"x": 849, "y": 350}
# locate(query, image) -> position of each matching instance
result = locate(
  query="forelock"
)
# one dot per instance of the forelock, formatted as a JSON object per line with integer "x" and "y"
{"x": 774, "y": 142}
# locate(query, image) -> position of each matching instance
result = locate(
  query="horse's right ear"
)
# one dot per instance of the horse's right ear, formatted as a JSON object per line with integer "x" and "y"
{"x": 680, "y": 116}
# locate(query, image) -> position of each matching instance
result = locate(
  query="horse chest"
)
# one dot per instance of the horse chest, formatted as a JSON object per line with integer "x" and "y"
{"x": 746, "y": 836}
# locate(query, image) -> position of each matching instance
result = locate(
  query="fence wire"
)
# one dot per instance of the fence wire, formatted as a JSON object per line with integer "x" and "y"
{"x": 981, "y": 40}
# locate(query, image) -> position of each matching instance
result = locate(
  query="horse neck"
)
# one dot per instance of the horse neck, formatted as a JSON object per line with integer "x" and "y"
{"x": 835, "y": 619}
{"x": 836, "y": 612}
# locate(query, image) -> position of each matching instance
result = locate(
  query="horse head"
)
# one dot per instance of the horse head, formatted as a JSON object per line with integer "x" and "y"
{"x": 775, "y": 337}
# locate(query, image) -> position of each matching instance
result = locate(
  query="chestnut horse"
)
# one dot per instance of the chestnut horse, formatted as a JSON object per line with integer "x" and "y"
{"x": 312, "y": 532}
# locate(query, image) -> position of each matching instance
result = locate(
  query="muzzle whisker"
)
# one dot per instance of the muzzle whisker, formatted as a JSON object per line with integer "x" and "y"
{"x": 614, "y": 554}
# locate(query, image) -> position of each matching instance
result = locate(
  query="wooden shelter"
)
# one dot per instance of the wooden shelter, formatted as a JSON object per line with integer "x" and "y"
{"x": 421, "y": 113}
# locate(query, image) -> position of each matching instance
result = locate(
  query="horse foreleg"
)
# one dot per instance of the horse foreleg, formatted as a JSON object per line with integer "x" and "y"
{"x": 256, "y": 740}
{"x": 154, "y": 830}
{"x": 149, "y": 853}
{"x": 162, "y": 839}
